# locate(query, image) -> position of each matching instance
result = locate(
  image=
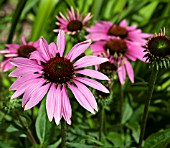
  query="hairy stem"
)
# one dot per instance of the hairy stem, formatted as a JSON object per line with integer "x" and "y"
{"x": 63, "y": 133}
{"x": 101, "y": 123}
{"x": 27, "y": 131}
{"x": 147, "y": 103}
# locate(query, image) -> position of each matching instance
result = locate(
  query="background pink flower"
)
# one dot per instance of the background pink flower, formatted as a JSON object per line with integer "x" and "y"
{"x": 16, "y": 50}
{"x": 52, "y": 73}
{"x": 73, "y": 22}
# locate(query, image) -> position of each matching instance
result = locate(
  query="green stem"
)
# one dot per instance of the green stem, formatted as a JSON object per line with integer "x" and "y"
{"x": 17, "y": 14}
{"x": 27, "y": 131}
{"x": 147, "y": 103}
{"x": 121, "y": 103}
{"x": 101, "y": 123}
{"x": 63, "y": 133}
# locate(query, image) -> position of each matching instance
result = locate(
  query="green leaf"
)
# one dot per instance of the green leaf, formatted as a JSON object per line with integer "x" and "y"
{"x": 127, "y": 112}
{"x": 78, "y": 145}
{"x": 115, "y": 138}
{"x": 135, "y": 127}
{"x": 43, "y": 14}
{"x": 43, "y": 126}
{"x": 158, "y": 140}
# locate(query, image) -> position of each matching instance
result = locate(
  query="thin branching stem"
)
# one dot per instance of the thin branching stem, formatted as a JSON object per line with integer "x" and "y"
{"x": 147, "y": 104}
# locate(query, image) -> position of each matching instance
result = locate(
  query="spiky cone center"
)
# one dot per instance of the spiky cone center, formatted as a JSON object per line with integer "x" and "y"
{"x": 74, "y": 25}
{"x": 116, "y": 46}
{"x": 107, "y": 68}
{"x": 118, "y": 31}
{"x": 159, "y": 46}
{"x": 25, "y": 50}
{"x": 58, "y": 70}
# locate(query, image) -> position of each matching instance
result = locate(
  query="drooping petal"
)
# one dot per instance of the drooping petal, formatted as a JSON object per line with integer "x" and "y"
{"x": 78, "y": 49}
{"x": 81, "y": 98}
{"x": 130, "y": 71}
{"x": 67, "y": 111}
{"x": 89, "y": 61}
{"x": 58, "y": 109}
{"x": 87, "y": 93}
{"x": 50, "y": 102}
{"x": 93, "y": 83}
{"x": 61, "y": 41}
{"x": 93, "y": 74}
{"x": 122, "y": 74}
{"x": 37, "y": 96}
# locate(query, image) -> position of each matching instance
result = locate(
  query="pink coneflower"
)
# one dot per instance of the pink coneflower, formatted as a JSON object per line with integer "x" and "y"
{"x": 73, "y": 22}
{"x": 52, "y": 73}
{"x": 105, "y": 30}
{"x": 122, "y": 51}
{"x": 16, "y": 50}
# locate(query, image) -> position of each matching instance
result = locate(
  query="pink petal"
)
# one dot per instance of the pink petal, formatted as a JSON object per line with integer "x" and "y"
{"x": 6, "y": 65}
{"x": 123, "y": 23}
{"x": 81, "y": 98}
{"x": 53, "y": 49}
{"x": 122, "y": 74}
{"x": 37, "y": 96}
{"x": 67, "y": 111}
{"x": 23, "y": 41}
{"x": 24, "y": 62}
{"x": 37, "y": 56}
{"x": 22, "y": 80}
{"x": 89, "y": 61}
{"x": 130, "y": 71}
{"x": 93, "y": 83}
{"x": 11, "y": 55}
{"x": 24, "y": 71}
{"x": 35, "y": 85}
{"x": 97, "y": 36}
{"x": 87, "y": 93}
{"x": 58, "y": 109}
{"x": 50, "y": 102}
{"x": 93, "y": 74}
{"x": 44, "y": 49}
{"x": 61, "y": 41}
{"x": 98, "y": 47}
{"x": 78, "y": 49}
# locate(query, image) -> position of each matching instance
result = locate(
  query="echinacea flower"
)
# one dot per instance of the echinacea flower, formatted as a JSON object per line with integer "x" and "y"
{"x": 158, "y": 50}
{"x": 121, "y": 51}
{"x": 73, "y": 22}
{"x": 105, "y": 30}
{"x": 52, "y": 73}
{"x": 16, "y": 50}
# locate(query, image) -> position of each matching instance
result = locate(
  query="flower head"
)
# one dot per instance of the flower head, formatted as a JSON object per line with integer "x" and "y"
{"x": 119, "y": 52}
{"x": 73, "y": 22}
{"x": 120, "y": 43}
{"x": 158, "y": 50}
{"x": 16, "y": 50}
{"x": 52, "y": 73}
{"x": 105, "y": 30}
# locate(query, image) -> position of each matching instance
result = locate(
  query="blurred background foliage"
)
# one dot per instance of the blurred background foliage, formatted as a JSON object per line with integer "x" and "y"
{"x": 122, "y": 118}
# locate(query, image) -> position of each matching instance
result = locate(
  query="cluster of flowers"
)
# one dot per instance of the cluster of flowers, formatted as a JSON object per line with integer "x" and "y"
{"x": 43, "y": 68}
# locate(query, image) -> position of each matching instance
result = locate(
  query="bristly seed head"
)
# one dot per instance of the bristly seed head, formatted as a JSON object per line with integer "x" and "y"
{"x": 74, "y": 25}
{"x": 118, "y": 31}
{"x": 158, "y": 50}
{"x": 107, "y": 68}
{"x": 116, "y": 46}
{"x": 25, "y": 50}
{"x": 58, "y": 70}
